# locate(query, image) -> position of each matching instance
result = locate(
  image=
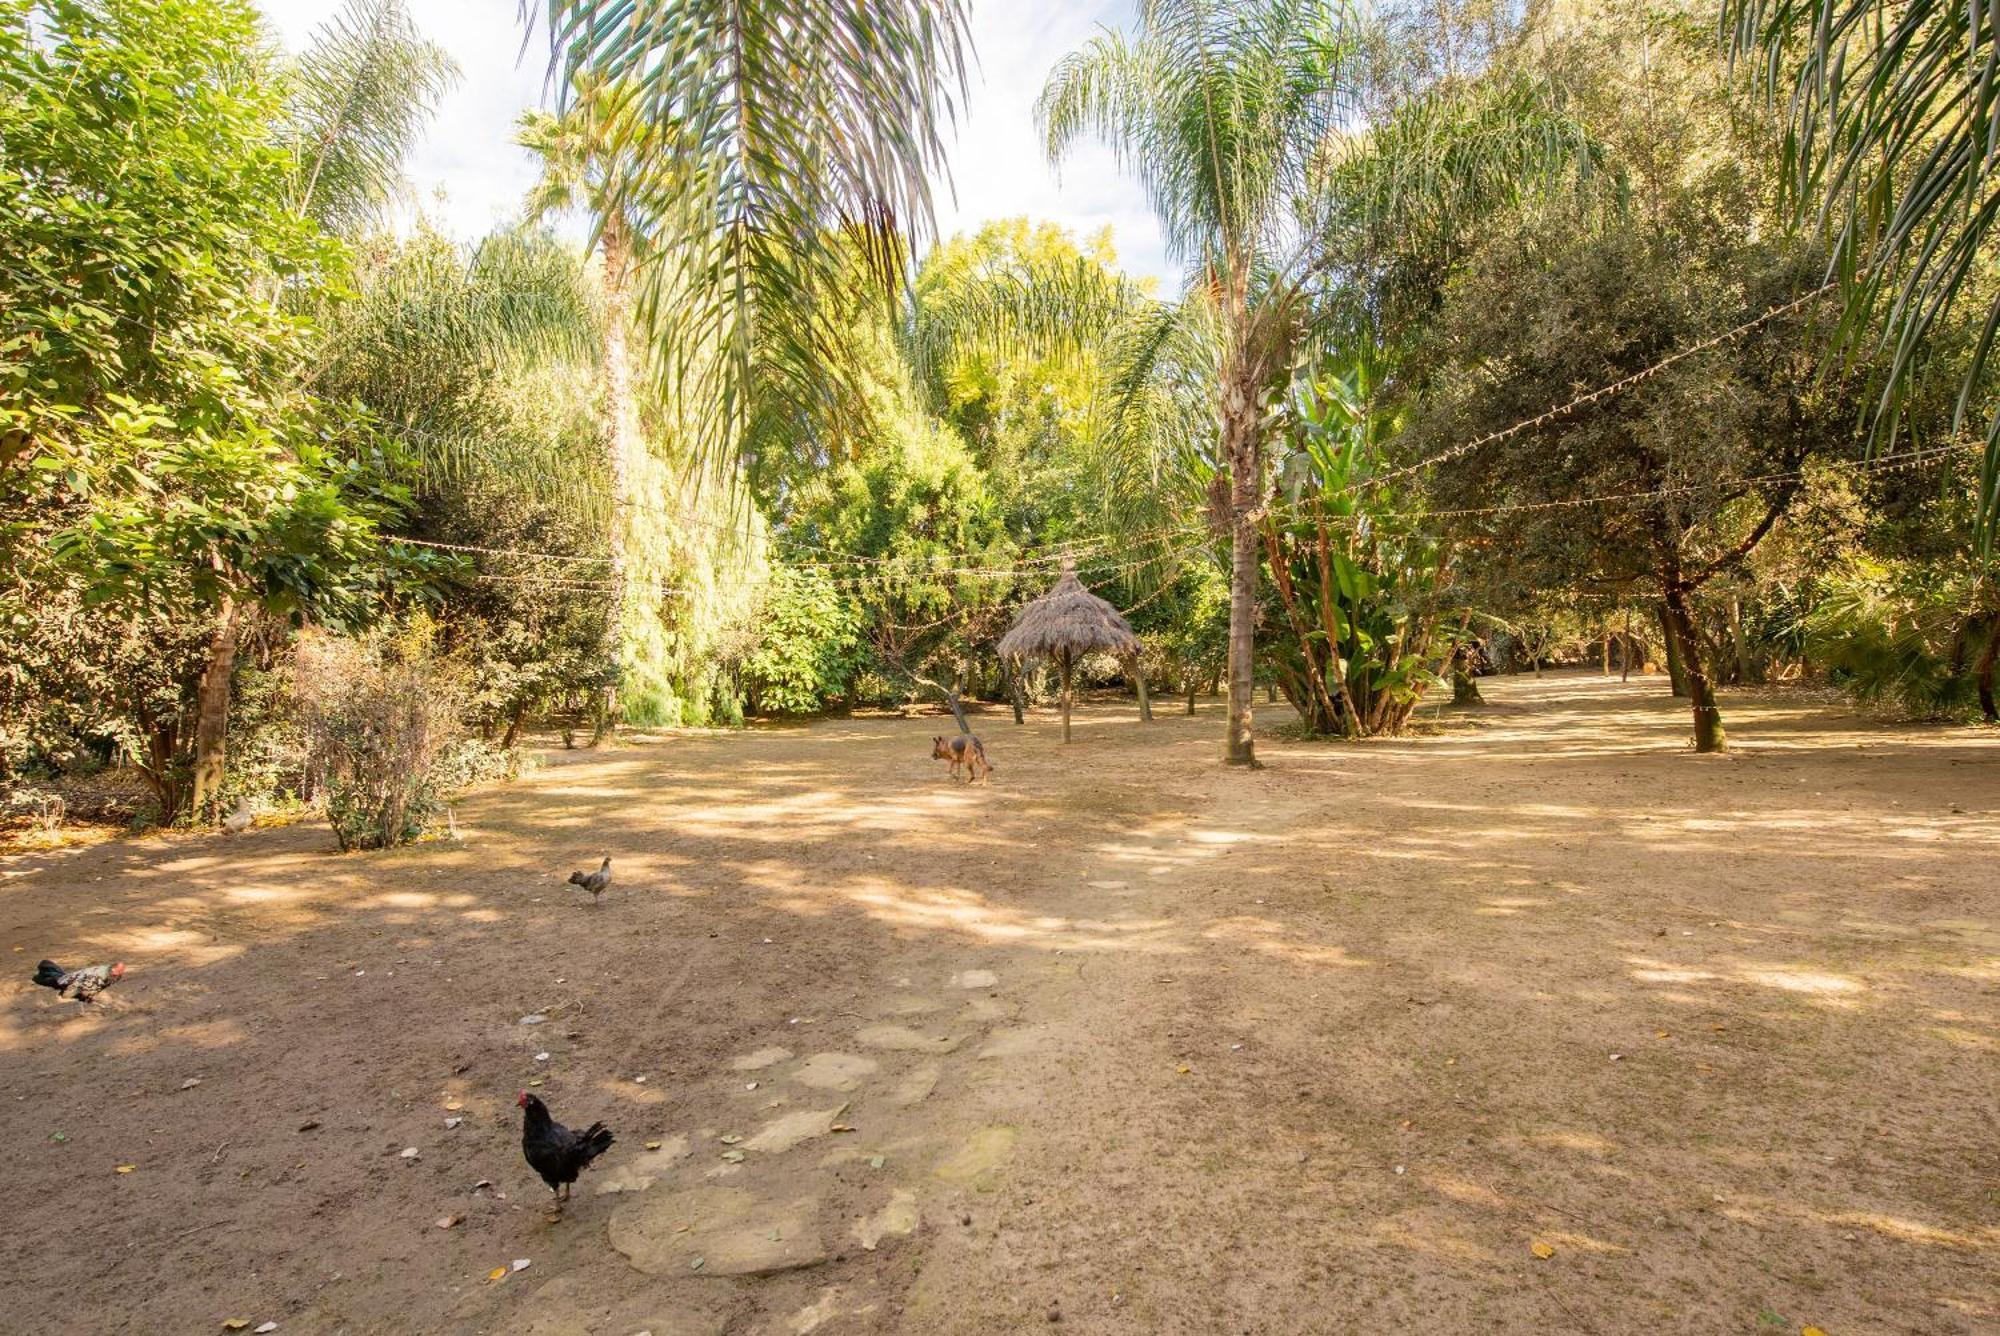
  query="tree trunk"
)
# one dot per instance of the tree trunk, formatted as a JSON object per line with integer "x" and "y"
{"x": 211, "y": 722}
{"x": 1192, "y": 686}
{"x": 1746, "y": 667}
{"x": 623, "y": 441}
{"x": 1464, "y": 687}
{"x": 1708, "y": 733}
{"x": 513, "y": 733}
{"x": 1606, "y": 670}
{"x": 1676, "y": 670}
{"x": 1139, "y": 680}
{"x": 1625, "y": 650}
{"x": 1239, "y": 435}
{"x": 1983, "y": 672}
{"x": 1011, "y": 671}
{"x": 1062, "y": 665}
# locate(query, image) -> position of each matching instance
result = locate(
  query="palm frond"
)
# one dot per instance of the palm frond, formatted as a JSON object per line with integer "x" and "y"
{"x": 1892, "y": 149}
{"x": 362, "y": 93}
{"x": 800, "y": 127}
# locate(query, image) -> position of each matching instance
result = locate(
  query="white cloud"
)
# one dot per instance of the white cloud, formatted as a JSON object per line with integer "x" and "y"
{"x": 469, "y": 175}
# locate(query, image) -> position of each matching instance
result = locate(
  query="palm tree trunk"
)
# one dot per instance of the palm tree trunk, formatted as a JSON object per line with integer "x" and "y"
{"x": 211, "y": 721}
{"x": 1708, "y": 732}
{"x": 623, "y": 444}
{"x": 1983, "y": 673}
{"x": 1239, "y": 437}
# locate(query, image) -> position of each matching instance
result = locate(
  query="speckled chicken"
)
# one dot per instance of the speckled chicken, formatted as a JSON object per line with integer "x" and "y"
{"x": 84, "y": 984}
{"x": 594, "y": 882}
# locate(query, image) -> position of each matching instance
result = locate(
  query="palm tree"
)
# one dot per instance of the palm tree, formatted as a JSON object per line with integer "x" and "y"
{"x": 593, "y": 159}
{"x": 1893, "y": 148}
{"x": 1225, "y": 110}
{"x": 797, "y": 127}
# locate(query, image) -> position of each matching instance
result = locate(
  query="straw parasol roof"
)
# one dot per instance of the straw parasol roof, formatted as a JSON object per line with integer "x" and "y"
{"x": 1069, "y": 621}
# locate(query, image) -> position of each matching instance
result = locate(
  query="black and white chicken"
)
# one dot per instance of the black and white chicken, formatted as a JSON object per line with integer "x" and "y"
{"x": 594, "y": 882}
{"x": 554, "y": 1151}
{"x": 84, "y": 984}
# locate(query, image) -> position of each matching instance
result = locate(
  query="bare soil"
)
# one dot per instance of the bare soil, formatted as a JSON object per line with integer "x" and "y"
{"x": 1125, "y": 1040}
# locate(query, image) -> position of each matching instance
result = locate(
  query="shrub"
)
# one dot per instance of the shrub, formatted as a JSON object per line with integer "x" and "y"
{"x": 381, "y": 715}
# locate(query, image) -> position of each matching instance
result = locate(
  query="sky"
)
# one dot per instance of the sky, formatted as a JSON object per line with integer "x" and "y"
{"x": 468, "y": 174}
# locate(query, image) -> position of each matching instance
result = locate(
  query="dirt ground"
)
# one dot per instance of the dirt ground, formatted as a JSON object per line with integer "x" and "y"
{"x": 1124, "y": 1041}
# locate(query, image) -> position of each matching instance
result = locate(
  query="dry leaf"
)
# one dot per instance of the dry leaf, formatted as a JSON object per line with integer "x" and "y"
{"x": 235, "y": 1323}
{"x": 264, "y": 1327}
{"x": 497, "y": 1273}
{"x": 1661, "y": 1034}
{"x": 652, "y": 1145}
{"x": 536, "y": 1081}
{"x": 448, "y": 1221}
{"x": 1812, "y": 1331}
{"x": 733, "y": 1156}
{"x": 127, "y": 1168}
{"x": 1543, "y": 1251}
{"x": 1183, "y": 1069}
{"x": 520, "y": 1264}
{"x": 841, "y": 1127}
{"x": 453, "y": 1105}
{"x": 408, "y": 1153}
{"x": 191, "y": 1083}
{"x": 730, "y": 1140}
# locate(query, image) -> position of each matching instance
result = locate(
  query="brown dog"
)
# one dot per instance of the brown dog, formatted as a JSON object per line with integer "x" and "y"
{"x": 964, "y": 750}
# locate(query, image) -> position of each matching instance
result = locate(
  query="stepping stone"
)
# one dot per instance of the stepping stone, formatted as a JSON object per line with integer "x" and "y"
{"x": 762, "y": 1058}
{"x": 781, "y": 1134}
{"x": 636, "y": 1173}
{"x": 975, "y": 979}
{"x": 914, "y": 1088}
{"x": 731, "y": 1231}
{"x": 897, "y": 1220}
{"x": 977, "y": 1163}
{"x": 835, "y": 1071}
{"x": 901, "y": 1038}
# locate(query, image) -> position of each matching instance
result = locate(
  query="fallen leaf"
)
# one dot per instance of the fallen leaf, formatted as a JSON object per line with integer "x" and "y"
{"x": 408, "y": 1153}
{"x": 309, "y": 1124}
{"x": 1812, "y": 1331}
{"x": 730, "y": 1140}
{"x": 697, "y": 1263}
{"x": 841, "y": 1127}
{"x": 453, "y": 1122}
{"x": 191, "y": 1083}
{"x": 652, "y": 1145}
{"x": 1618, "y": 1057}
{"x": 497, "y": 1273}
{"x": 448, "y": 1221}
{"x": 453, "y": 1105}
{"x": 127, "y": 1168}
{"x": 875, "y": 1162}
{"x": 536, "y": 1081}
{"x": 1661, "y": 1034}
{"x": 733, "y": 1156}
{"x": 520, "y": 1264}
{"x": 235, "y": 1323}
{"x": 1183, "y": 1069}
{"x": 1542, "y": 1250}
{"x": 268, "y": 1326}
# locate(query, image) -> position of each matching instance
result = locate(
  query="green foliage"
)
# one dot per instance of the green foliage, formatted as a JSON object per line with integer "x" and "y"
{"x": 1897, "y": 634}
{"x": 808, "y": 647}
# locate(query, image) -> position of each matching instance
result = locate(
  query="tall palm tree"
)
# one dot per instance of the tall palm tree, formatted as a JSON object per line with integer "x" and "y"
{"x": 1225, "y": 110}
{"x": 592, "y": 158}
{"x": 1893, "y": 147}
{"x": 797, "y": 126}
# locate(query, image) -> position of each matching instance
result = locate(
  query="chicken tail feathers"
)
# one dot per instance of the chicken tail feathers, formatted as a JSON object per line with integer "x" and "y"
{"x": 49, "y": 974}
{"x": 597, "y": 1139}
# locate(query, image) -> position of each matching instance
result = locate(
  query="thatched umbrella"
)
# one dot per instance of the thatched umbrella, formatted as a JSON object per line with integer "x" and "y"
{"x": 1065, "y": 623}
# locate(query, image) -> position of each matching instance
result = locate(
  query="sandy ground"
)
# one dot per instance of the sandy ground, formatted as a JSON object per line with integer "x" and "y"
{"x": 1125, "y": 1041}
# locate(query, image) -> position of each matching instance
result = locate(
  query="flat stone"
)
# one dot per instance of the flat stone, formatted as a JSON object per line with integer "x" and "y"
{"x": 977, "y": 1163}
{"x": 781, "y": 1134}
{"x": 835, "y": 1071}
{"x": 897, "y": 1220}
{"x": 730, "y": 1230}
{"x": 1011, "y": 1043}
{"x": 762, "y": 1058}
{"x": 975, "y": 979}
{"x": 915, "y": 1088}
{"x": 636, "y": 1173}
{"x": 902, "y": 1038}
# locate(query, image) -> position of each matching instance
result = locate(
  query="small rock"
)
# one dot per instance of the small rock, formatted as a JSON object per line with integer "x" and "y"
{"x": 453, "y": 1122}
{"x": 541, "y": 1057}
{"x": 520, "y": 1264}
{"x": 408, "y": 1153}
{"x": 191, "y": 1083}
{"x": 268, "y": 1326}
{"x": 533, "y": 1018}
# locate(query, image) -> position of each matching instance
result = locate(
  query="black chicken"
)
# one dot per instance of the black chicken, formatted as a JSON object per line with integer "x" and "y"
{"x": 555, "y": 1152}
{"x": 84, "y": 984}
{"x": 594, "y": 882}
